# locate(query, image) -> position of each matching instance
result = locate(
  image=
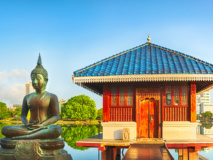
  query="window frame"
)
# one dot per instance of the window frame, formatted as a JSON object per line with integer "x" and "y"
{"x": 125, "y": 96}
{"x": 173, "y": 96}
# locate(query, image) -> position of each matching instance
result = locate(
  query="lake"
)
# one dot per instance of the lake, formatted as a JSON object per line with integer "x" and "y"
{"x": 74, "y": 133}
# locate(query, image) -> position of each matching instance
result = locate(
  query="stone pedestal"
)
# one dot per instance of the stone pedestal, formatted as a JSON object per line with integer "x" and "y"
{"x": 114, "y": 130}
{"x": 179, "y": 130}
{"x": 51, "y": 149}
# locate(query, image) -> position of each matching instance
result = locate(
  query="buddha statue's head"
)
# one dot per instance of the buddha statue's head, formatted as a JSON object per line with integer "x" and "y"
{"x": 39, "y": 76}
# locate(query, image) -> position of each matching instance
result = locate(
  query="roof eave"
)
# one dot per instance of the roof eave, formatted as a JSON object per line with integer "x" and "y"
{"x": 143, "y": 78}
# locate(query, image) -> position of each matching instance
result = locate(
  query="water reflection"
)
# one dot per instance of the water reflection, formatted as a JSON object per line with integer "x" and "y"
{"x": 74, "y": 133}
{"x": 206, "y": 128}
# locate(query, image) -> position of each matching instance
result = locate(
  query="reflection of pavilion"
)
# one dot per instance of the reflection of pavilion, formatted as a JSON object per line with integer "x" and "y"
{"x": 207, "y": 150}
{"x": 150, "y": 92}
{"x": 200, "y": 157}
{"x": 207, "y": 132}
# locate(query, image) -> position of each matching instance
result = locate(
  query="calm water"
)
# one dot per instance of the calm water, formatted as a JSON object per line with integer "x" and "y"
{"x": 74, "y": 133}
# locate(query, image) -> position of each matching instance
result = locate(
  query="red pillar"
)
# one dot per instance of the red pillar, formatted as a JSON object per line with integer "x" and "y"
{"x": 116, "y": 154}
{"x": 193, "y": 155}
{"x": 193, "y": 102}
{"x": 106, "y": 112}
{"x": 180, "y": 154}
{"x": 185, "y": 154}
{"x": 106, "y": 154}
{"x": 111, "y": 153}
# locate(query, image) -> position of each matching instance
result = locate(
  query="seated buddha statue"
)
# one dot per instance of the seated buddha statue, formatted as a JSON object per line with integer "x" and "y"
{"x": 44, "y": 111}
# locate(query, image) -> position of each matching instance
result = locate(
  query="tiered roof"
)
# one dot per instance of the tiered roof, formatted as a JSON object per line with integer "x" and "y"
{"x": 147, "y": 59}
{"x": 147, "y": 62}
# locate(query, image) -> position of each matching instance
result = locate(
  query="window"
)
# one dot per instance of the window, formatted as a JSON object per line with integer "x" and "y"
{"x": 184, "y": 95}
{"x": 176, "y": 95}
{"x": 168, "y": 95}
{"x": 114, "y": 96}
{"x": 129, "y": 96}
{"x": 173, "y": 95}
{"x": 121, "y": 96}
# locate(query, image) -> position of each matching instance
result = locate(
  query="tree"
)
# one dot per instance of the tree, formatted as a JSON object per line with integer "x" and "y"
{"x": 18, "y": 111}
{"x": 3, "y": 106}
{"x": 207, "y": 115}
{"x": 4, "y": 113}
{"x": 79, "y": 107}
{"x": 100, "y": 114}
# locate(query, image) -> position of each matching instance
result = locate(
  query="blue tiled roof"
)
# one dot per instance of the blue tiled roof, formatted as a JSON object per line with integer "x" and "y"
{"x": 147, "y": 59}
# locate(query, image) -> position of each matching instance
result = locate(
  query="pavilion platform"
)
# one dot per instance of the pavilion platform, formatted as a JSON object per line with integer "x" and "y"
{"x": 97, "y": 141}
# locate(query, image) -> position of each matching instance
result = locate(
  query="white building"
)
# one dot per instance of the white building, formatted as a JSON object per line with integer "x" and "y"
{"x": 203, "y": 103}
{"x": 61, "y": 101}
{"x": 28, "y": 88}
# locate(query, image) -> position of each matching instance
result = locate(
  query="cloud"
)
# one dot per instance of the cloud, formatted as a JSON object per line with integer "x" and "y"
{"x": 2, "y": 74}
{"x": 12, "y": 86}
{"x": 18, "y": 75}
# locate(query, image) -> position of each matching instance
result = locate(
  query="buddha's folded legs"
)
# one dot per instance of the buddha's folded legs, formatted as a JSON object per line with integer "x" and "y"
{"x": 11, "y": 131}
{"x": 20, "y": 132}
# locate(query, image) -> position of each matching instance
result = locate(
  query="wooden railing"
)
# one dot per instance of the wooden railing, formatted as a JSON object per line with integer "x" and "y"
{"x": 125, "y": 113}
{"x": 175, "y": 113}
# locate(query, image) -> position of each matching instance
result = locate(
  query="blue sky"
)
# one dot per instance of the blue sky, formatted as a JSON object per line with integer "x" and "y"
{"x": 73, "y": 34}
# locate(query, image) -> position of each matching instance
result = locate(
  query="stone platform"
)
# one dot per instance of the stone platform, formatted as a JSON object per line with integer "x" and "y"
{"x": 51, "y": 149}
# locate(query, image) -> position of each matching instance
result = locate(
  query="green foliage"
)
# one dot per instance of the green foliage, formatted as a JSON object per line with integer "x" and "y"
{"x": 4, "y": 113}
{"x": 100, "y": 114}
{"x": 74, "y": 133}
{"x": 79, "y": 107}
{"x": 18, "y": 111}
{"x": 206, "y": 115}
{"x": 207, "y": 125}
{"x": 1, "y": 126}
{"x": 17, "y": 105}
{"x": 3, "y": 106}
{"x": 197, "y": 116}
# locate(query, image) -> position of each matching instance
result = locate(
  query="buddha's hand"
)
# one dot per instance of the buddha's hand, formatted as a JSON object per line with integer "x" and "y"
{"x": 37, "y": 125}
{"x": 29, "y": 126}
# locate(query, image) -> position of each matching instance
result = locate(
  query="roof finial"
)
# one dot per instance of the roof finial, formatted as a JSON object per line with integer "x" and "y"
{"x": 148, "y": 39}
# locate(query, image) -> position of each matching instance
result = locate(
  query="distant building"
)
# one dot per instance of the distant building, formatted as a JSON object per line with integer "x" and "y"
{"x": 203, "y": 103}
{"x": 28, "y": 88}
{"x": 12, "y": 108}
{"x": 61, "y": 101}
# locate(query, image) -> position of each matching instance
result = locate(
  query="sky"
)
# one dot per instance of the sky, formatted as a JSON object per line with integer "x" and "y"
{"x": 72, "y": 34}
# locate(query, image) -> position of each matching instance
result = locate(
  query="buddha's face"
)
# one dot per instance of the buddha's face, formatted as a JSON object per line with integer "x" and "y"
{"x": 38, "y": 82}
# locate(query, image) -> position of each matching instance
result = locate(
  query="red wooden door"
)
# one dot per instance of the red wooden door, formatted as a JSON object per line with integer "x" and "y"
{"x": 148, "y": 119}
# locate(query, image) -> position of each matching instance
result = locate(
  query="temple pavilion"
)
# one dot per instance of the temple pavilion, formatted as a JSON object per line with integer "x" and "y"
{"x": 149, "y": 90}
